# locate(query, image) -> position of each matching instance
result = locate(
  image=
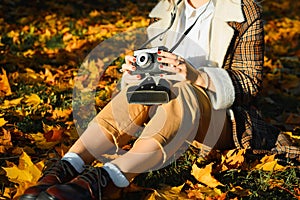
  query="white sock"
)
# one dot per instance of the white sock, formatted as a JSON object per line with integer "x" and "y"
{"x": 116, "y": 175}
{"x": 75, "y": 160}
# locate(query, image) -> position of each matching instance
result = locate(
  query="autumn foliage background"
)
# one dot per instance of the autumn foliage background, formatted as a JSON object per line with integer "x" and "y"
{"x": 44, "y": 43}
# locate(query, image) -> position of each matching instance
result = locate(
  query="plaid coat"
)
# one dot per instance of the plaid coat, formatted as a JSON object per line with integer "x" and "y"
{"x": 237, "y": 45}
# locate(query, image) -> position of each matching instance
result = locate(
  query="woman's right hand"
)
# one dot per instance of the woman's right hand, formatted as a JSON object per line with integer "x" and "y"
{"x": 127, "y": 68}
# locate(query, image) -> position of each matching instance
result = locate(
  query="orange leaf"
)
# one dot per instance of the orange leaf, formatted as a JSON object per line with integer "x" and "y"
{"x": 233, "y": 159}
{"x": 4, "y": 84}
{"x": 5, "y": 141}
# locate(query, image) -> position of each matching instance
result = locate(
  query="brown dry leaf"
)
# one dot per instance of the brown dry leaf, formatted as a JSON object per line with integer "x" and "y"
{"x": 269, "y": 163}
{"x": 5, "y": 141}
{"x": 204, "y": 176}
{"x": 25, "y": 175}
{"x": 241, "y": 192}
{"x": 4, "y": 84}
{"x": 41, "y": 142}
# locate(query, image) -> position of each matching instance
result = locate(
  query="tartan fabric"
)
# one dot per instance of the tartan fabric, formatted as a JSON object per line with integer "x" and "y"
{"x": 244, "y": 63}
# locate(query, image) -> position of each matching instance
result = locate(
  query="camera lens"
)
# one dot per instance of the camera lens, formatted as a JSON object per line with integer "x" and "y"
{"x": 144, "y": 60}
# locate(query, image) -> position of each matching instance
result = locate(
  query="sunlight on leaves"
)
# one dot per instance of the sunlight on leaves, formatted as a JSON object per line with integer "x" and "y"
{"x": 5, "y": 89}
{"x": 2, "y": 122}
{"x": 269, "y": 163}
{"x": 41, "y": 141}
{"x": 32, "y": 100}
{"x": 25, "y": 174}
{"x": 204, "y": 175}
{"x": 233, "y": 159}
{"x": 167, "y": 193}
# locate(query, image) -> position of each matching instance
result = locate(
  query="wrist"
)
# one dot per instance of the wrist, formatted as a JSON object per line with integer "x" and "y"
{"x": 203, "y": 80}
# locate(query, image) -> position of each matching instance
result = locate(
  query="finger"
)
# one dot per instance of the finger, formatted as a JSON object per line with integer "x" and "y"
{"x": 128, "y": 78}
{"x": 130, "y": 59}
{"x": 168, "y": 68}
{"x": 128, "y": 67}
{"x": 169, "y": 61}
{"x": 167, "y": 54}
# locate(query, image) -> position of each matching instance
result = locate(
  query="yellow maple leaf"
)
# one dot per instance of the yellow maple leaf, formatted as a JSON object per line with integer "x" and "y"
{"x": 32, "y": 100}
{"x": 2, "y": 122}
{"x": 25, "y": 174}
{"x": 204, "y": 176}
{"x": 269, "y": 163}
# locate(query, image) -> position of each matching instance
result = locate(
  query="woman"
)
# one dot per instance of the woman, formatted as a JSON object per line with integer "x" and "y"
{"x": 211, "y": 101}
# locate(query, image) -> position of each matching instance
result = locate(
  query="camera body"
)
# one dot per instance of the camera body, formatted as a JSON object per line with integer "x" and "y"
{"x": 153, "y": 89}
{"x": 146, "y": 61}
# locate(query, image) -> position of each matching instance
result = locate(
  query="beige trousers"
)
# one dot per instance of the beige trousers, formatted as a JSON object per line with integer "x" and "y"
{"x": 185, "y": 118}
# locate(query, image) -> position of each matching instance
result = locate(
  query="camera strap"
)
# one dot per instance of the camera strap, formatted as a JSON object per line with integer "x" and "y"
{"x": 173, "y": 16}
{"x": 189, "y": 29}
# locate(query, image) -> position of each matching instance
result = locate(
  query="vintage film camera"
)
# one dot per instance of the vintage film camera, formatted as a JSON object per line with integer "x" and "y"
{"x": 153, "y": 89}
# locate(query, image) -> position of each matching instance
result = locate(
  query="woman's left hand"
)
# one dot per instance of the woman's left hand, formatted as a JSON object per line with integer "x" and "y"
{"x": 176, "y": 64}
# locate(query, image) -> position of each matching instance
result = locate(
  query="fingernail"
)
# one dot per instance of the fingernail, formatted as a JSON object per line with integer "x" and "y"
{"x": 159, "y": 52}
{"x": 161, "y": 75}
{"x": 138, "y": 76}
{"x": 133, "y": 68}
{"x": 134, "y": 59}
{"x": 159, "y": 58}
{"x": 161, "y": 66}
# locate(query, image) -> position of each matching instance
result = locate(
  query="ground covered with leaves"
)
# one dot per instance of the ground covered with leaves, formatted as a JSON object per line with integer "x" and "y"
{"x": 44, "y": 43}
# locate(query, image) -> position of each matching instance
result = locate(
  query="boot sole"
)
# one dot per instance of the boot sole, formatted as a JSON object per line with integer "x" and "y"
{"x": 28, "y": 197}
{"x": 45, "y": 196}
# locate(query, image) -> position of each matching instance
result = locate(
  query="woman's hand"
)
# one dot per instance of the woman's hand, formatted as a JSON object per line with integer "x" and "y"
{"x": 183, "y": 70}
{"x": 127, "y": 68}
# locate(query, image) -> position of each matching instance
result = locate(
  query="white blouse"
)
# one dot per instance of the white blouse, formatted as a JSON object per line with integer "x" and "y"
{"x": 195, "y": 46}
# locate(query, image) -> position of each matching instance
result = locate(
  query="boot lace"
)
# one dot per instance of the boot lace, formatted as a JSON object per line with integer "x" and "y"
{"x": 95, "y": 175}
{"x": 58, "y": 168}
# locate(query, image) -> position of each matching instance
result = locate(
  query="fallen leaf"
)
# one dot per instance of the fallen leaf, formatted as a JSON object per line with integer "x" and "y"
{"x": 269, "y": 163}
{"x": 25, "y": 174}
{"x": 241, "y": 192}
{"x": 204, "y": 176}
{"x": 61, "y": 113}
{"x": 32, "y": 100}
{"x": 2, "y": 122}
{"x": 5, "y": 141}
{"x": 167, "y": 193}
{"x": 41, "y": 142}
{"x": 233, "y": 159}
{"x": 4, "y": 84}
